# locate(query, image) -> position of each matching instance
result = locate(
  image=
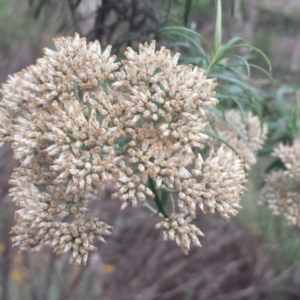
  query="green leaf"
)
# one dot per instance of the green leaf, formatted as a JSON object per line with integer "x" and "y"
{"x": 184, "y": 30}
{"x": 258, "y": 51}
{"x": 199, "y": 49}
{"x": 243, "y": 60}
{"x": 237, "y": 130}
{"x": 263, "y": 71}
{"x": 229, "y": 45}
{"x": 224, "y": 92}
{"x": 157, "y": 199}
{"x": 277, "y": 164}
{"x": 124, "y": 141}
{"x": 219, "y": 139}
{"x": 187, "y": 10}
{"x": 249, "y": 90}
{"x": 164, "y": 197}
{"x": 221, "y": 67}
{"x": 219, "y": 53}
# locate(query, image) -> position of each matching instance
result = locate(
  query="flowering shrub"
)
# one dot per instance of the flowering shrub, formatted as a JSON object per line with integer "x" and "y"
{"x": 78, "y": 120}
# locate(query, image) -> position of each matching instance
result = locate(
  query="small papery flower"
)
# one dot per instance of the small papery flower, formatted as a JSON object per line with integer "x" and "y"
{"x": 178, "y": 229}
{"x": 252, "y": 129}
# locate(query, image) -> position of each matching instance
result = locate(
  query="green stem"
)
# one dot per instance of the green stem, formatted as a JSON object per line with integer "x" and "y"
{"x": 173, "y": 203}
{"x": 157, "y": 199}
{"x": 218, "y": 26}
{"x": 156, "y": 212}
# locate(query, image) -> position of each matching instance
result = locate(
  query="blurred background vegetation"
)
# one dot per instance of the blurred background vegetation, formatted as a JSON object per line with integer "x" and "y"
{"x": 253, "y": 256}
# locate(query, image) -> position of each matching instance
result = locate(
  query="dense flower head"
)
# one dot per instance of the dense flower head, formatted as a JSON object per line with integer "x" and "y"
{"x": 290, "y": 156}
{"x": 180, "y": 230}
{"x": 245, "y": 135}
{"x": 74, "y": 66}
{"x": 281, "y": 190}
{"x": 78, "y": 121}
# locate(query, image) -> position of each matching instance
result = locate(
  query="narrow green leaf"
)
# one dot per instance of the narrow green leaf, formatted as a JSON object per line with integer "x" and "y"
{"x": 187, "y": 10}
{"x": 125, "y": 141}
{"x": 175, "y": 29}
{"x": 230, "y": 44}
{"x": 219, "y": 139}
{"x": 221, "y": 67}
{"x": 237, "y": 130}
{"x": 224, "y": 92}
{"x": 164, "y": 197}
{"x": 263, "y": 71}
{"x": 265, "y": 152}
{"x": 277, "y": 164}
{"x": 218, "y": 55}
{"x": 246, "y": 88}
{"x": 157, "y": 199}
{"x": 258, "y": 51}
{"x": 243, "y": 60}
{"x": 199, "y": 49}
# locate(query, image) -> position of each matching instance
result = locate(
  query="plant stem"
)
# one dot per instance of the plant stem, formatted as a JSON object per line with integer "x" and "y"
{"x": 218, "y": 27}
{"x": 152, "y": 209}
{"x": 218, "y": 36}
{"x": 173, "y": 203}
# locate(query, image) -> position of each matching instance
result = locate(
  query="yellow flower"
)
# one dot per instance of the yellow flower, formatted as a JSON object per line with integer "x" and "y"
{"x": 108, "y": 268}
{"x": 20, "y": 275}
{"x": 2, "y": 247}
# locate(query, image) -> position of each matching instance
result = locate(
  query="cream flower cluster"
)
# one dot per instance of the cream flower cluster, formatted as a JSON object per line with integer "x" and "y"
{"x": 179, "y": 229}
{"x": 251, "y": 128}
{"x": 78, "y": 121}
{"x": 281, "y": 192}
